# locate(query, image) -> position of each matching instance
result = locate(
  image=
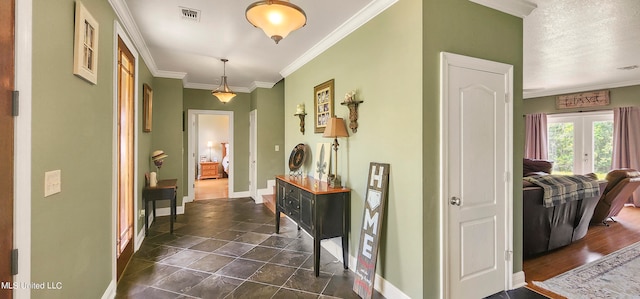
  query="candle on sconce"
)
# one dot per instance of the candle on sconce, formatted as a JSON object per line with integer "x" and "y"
{"x": 300, "y": 109}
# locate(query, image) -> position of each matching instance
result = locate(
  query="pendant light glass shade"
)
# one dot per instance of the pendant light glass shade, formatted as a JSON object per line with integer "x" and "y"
{"x": 276, "y": 18}
{"x": 223, "y": 93}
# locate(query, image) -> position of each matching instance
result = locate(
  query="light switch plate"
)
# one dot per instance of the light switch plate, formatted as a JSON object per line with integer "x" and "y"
{"x": 52, "y": 182}
{"x": 277, "y": 148}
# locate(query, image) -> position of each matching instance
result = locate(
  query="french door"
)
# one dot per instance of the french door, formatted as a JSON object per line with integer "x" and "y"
{"x": 126, "y": 137}
{"x": 7, "y": 17}
{"x": 581, "y": 143}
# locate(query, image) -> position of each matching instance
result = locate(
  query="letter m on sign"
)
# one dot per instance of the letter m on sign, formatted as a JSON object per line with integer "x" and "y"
{"x": 374, "y": 206}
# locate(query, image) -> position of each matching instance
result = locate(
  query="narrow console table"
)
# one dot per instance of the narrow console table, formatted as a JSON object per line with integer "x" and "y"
{"x": 320, "y": 210}
{"x": 166, "y": 189}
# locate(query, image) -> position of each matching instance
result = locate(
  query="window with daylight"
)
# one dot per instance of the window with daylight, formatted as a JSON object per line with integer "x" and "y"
{"x": 581, "y": 143}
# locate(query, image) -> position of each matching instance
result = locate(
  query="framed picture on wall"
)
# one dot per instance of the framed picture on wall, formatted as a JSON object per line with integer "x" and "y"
{"x": 147, "y": 108}
{"x": 85, "y": 45}
{"x": 322, "y": 105}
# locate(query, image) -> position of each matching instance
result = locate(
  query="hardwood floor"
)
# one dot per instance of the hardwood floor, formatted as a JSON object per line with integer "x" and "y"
{"x": 211, "y": 189}
{"x": 599, "y": 241}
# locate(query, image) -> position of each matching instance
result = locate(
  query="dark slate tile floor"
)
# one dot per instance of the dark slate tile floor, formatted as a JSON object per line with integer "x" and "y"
{"x": 519, "y": 293}
{"x": 227, "y": 248}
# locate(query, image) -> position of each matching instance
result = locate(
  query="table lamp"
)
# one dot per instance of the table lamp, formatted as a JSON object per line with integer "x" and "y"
{"x": 335, "y": 128}
{"x": 210, "y": 145}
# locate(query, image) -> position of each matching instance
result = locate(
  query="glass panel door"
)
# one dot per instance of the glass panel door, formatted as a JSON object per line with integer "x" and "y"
{"x": 126, "y": 119}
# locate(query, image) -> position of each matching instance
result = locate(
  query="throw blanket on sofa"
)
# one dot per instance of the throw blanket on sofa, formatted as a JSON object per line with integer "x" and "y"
{"x": 559, "y": 189}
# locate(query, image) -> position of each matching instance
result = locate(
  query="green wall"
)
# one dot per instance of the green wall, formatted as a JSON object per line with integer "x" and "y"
{"x": 167, "y": 132}
{"x": 398, "y": 77}
{"x": 72, "y": 130}
{"x": 466, "y": 28}
{"x": 270, "y": 114}
{"x": 382, "y": 62}
{"x": 144, "y": 139}
{"x": 620, "y": 97}
{"x": 199, "y": 99}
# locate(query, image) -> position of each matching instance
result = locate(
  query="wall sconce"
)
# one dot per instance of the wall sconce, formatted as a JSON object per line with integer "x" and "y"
{"x": 301, "y": 114}
{"x": 351, "y": 102}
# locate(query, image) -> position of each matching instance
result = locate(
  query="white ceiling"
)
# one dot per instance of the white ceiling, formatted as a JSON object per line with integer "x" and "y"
{"x": 569, "y": 45}
{"x": 579, "y": 45}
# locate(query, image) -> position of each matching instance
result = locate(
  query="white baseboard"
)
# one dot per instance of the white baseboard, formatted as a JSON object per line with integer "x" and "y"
{"x": 166, "y": 211}
{"x": 265, "y": 191}
{"x": 110, "y": 292}
{"x": 387, "y": 289}
{"x": 240, "y": 194}
{"x": 518, "y": 280}
{"x": 139, "y": 238}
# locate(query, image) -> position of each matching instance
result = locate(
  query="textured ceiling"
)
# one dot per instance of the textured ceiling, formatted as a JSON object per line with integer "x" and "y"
{"x": 573, "y": 45}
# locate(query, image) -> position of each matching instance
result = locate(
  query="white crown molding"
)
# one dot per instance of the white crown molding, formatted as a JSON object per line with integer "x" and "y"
{"x": 122, "y": 11}
{"x": 213, "y": 87}
{"x": 360, "y": 18}
{"x": 259, "y": 84}
{"x": 559, "y": 91}
{"x": 518, "y": 8}
{"x": 169, "y": 74}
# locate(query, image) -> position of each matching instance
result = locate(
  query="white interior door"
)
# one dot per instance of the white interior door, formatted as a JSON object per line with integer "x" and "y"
{"x": 253, "y": 157}
{"x": 477, "y": 122}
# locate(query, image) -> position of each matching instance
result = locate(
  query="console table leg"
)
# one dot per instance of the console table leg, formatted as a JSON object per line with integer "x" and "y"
{"x": 277, "y": 221}
{"x": 146, "y": 217}
{"x": 316, "y": 256}
{"x": 345, "y": 251}
{"x": 172, "y": 214}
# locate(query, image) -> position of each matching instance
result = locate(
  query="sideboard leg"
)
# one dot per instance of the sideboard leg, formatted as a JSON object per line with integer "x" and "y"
{"x": 345, "y": 251}
{"x": 316, "y": 256}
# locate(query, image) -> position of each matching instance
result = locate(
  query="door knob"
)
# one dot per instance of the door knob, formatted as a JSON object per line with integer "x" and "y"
{"x": 455, "y": 201}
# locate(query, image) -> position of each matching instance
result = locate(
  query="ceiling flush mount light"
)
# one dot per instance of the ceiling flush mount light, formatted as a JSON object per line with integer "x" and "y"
{"x": 276, "y": 18}
{"x": 223, "y": 93}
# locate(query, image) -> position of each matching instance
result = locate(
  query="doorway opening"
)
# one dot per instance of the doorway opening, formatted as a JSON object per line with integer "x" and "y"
{"x": 210, "y": 162}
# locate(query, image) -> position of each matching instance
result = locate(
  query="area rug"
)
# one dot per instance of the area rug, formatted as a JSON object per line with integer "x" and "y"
{"x": 616, "y": 275}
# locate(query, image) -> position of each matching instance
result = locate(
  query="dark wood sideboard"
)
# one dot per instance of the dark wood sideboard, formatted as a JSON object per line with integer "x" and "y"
{"x": 320, "y": 210}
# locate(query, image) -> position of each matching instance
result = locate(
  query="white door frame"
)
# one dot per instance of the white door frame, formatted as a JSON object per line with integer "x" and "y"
{"x": 22, "y": 146}
{"x": 447, "y": 60}
{"x": 191, "y": 158}
{"x": 253, "y": 155}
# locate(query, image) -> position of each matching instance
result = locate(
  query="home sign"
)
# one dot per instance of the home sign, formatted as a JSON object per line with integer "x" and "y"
{"x": 374, "y": 207}
{"x": 585, "y": 99}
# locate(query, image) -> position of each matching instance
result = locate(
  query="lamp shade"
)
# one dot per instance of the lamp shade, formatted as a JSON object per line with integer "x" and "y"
{"x": 335, "y": 128}
{"x": 223, "y": 92}
{"x": 276, "y": 18}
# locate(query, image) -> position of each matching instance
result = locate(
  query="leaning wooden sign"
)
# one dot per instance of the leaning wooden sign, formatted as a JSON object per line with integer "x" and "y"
{"x": 371, "y": 228}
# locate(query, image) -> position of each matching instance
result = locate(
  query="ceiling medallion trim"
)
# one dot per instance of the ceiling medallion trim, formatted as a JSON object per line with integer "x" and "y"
{"x": 518, "y": 8}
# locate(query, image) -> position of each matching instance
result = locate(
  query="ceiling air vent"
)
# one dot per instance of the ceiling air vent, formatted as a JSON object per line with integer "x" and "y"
{"x": 628, "y": 68}
{"x": 190, "y": 14}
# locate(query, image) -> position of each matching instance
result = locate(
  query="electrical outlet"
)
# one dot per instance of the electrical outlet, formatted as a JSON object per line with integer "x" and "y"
{"x": 52, "y": 182}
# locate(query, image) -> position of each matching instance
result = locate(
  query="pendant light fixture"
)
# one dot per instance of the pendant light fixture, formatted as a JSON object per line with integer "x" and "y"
{"x": 276, "y": 18}
{"x": 223, "y": 93}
